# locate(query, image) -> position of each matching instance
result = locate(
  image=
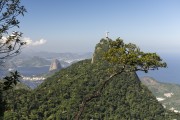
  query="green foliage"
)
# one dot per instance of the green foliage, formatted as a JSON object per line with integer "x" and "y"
{"x": 10, "y": 9}
{"x": 60, "y": 95}
{"x": 122, "y": 58}
{"x": 11, "y": 80}
{"x": 2, "y": 103}
{"x": 10, "y": 45}
{"x": 8, "y": 83}
{"x": 118, "y": 96}
{"x": 130, "y": 56}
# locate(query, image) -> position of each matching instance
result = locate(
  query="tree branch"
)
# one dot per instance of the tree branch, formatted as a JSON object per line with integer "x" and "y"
{"x": 96, "y": 94}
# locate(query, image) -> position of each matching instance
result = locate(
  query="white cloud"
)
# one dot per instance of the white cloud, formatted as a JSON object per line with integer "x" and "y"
{"x": 40, "y": 42}
{"x": 30, "y": 42}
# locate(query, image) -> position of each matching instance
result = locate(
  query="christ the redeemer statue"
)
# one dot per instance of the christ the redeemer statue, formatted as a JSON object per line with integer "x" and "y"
{"x": 107, "y": 34}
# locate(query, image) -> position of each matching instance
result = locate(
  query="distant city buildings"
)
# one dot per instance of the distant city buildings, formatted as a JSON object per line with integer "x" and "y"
{"x": 33, "y": 78}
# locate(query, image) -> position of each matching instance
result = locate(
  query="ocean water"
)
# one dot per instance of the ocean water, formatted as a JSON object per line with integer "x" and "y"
{"x": 171, "y": 74}
{"x": 30, "y": 71}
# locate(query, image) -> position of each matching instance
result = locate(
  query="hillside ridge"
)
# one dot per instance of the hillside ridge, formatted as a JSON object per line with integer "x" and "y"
{"x": 60, "y": 96}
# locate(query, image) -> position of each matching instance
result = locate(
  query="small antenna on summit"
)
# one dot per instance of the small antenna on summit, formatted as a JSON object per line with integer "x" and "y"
{"x": 107, "y": 33}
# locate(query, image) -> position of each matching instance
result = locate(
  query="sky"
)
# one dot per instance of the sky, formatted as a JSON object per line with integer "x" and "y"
{"x": 78, "y": 25}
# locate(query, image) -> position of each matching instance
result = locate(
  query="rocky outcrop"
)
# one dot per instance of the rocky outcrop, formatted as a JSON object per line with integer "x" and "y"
{"x": 100, "y": 49}
{"x": 55, "y": 65}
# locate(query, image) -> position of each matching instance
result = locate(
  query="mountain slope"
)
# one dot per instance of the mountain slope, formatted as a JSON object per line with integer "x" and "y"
{"x": 168, "y": 94}
{"x": 60, "y": 95}
{"x": 34, "y": 62}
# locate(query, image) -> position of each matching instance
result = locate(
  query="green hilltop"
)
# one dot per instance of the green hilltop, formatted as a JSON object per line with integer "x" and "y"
{"x": 59, "y": 96}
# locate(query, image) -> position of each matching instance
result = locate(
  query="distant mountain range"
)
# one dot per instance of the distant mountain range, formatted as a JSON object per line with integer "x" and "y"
{"x": 44, "y": 58}
{"x": 60, "y": 56}
{"x": 166, "y": 93}
{"x": 40, "y": 59}
{"x": 36, "y": 65}
{"x": 33, "y": 61}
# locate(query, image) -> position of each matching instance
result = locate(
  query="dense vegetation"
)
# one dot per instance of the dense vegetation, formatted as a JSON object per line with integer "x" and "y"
{"x": 10, "y": 43}
{"x": 60, "y": 95}
{"x": 9, "y": 98}
{"x": 121, "y": 96}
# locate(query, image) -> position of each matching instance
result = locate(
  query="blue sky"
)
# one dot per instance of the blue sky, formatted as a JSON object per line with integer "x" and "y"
{"x": 78, "y": 25}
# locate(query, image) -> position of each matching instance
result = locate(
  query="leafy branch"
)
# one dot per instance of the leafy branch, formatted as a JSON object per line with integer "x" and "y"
{"x": 123, "y": 58}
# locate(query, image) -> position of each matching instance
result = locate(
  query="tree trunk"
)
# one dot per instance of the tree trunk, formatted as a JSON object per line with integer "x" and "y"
{"x": 96, "y": 94}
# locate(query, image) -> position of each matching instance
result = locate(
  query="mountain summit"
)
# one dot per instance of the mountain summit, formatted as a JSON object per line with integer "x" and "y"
{"x": 100, "y": 49}
{"x": 55, "y": 65}
{"x": 60, "y": 96}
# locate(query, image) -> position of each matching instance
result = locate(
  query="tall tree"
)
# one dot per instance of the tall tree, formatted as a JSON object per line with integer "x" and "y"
{"x": 10, "y": 43}
{"x": 123, "y": 58}
{"x": 2, "y": 103}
